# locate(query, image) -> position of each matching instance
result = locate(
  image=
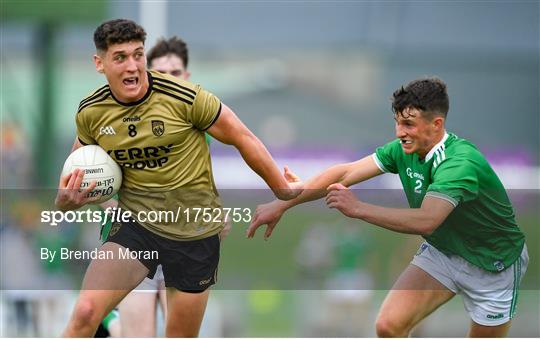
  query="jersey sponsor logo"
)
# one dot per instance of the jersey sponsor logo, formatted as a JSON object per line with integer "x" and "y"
{"x": 414, "y": 175}
{"x": 158, "y": 127}
{"x": 495, "y": 316}
{"x": 134, "y": 118}
{"x": 141, "y": 158}
{"x": 107, "y": 130}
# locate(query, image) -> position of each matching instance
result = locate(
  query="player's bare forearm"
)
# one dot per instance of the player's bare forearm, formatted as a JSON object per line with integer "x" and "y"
{"x": 260, "y": 161}
{"x": 422, "y": 221}
{"x": 231, "y": 131}
{"x": 346, "y": 174}
{"x": 406, "y": 220}
{"x": 315, "y": 188}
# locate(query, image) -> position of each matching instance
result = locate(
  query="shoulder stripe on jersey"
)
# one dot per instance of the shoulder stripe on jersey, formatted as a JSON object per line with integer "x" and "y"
{"x": 90, "y": 103}
{"x": 440, "y": 157}
{"x": 105, "y": 92}
{"x": 215, "y": 118}
{"x": 96, "y": 94}
{"x": 172, "y": 95}
{"x": 177, "y": 85}
{"x": 176, "y": 90}
{"x": 441, "y": 150}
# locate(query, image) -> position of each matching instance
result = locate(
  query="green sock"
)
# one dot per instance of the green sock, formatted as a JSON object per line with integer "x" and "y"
{"x": 113, "y": 315}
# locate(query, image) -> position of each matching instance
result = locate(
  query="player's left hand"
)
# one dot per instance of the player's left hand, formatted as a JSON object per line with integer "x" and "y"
{"x": 295, "y": 186}
{"x": 266, "y": 214}
{"x": 294, "y": 180}
{"x": 342, "y": 199}
{"x": 290, "y": 176}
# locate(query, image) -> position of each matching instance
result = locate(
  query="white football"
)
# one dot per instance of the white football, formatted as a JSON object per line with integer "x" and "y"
{"x": 99, "y": 166}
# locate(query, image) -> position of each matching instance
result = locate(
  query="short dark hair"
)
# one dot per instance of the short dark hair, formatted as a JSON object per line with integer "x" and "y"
{"x": 174, "y": 45}
{"x": 428, "y": 95}
{"x": 116, "y": 32}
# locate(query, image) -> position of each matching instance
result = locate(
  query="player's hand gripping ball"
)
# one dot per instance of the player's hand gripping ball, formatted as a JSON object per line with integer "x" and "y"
{"x": 99, "y": 166}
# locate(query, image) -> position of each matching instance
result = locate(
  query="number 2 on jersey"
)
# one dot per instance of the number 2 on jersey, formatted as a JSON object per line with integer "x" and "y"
{"x": 418, "y": 186}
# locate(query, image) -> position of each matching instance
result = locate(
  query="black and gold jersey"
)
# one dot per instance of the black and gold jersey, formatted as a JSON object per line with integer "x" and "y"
{"x": 159, "y": 141}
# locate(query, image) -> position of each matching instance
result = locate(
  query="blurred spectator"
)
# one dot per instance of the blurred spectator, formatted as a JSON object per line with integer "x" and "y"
{"x": 14, "y": 156}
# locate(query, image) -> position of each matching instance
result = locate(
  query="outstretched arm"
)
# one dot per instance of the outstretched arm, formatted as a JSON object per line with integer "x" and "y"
{"x": 230, "y": 130}
{"x": 422, "y": 221}
{"x": 346, "y": 174}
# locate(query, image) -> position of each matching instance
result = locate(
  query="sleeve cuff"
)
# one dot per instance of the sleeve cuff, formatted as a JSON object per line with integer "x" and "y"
{"x": 215, "y": 118}
{"x": 443, "y": 196}
{"x": 379, "y": 163}
{"x": 82, "y": 142}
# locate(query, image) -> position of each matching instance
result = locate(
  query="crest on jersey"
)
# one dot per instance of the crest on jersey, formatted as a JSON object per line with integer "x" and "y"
{"x": 114, "y": 228}
{"x": 158, "y": 127}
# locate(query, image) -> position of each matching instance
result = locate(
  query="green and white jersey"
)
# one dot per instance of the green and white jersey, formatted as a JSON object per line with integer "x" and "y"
{"x": 482, "y": 228}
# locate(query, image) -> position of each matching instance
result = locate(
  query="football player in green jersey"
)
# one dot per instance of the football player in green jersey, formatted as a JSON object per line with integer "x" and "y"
{"x": 473, "y": 246}
{"x": 153, "y": 125}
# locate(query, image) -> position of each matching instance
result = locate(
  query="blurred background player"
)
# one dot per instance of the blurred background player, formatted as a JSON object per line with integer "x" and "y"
{"x": 457, "y": 203}
{"x": 170, "y": 56}
{"x": 189, "y": 249}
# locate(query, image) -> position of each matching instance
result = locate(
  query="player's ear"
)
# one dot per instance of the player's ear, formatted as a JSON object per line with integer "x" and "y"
{"x": 98, "y": 61}
{"x": 438, "y": 122}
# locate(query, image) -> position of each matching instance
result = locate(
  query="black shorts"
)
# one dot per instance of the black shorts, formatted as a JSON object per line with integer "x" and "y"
{"x": 189, "y": 266}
